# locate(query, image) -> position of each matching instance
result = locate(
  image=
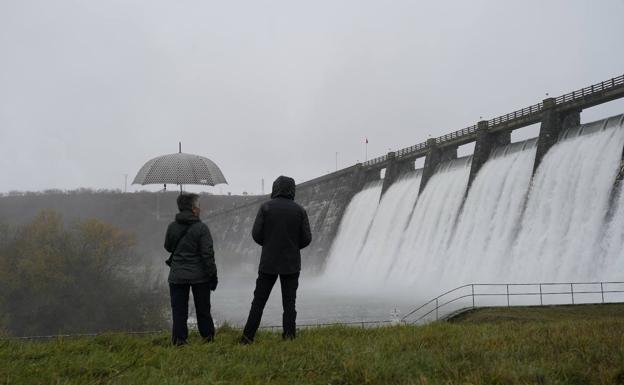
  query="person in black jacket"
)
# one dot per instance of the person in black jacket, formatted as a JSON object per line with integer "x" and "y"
{"x": 282, "y": 229}
{"x": 193, "y": 267}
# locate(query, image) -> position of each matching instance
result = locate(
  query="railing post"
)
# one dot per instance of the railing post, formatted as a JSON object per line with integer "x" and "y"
{"x": 541, "y": 301}
{"x": 507, "y": 295}
{"x": 602, "y": 292}
{"x": 473, "y": 299}
{"x": 436, "y": 309}
{"x": 572, "y": 292}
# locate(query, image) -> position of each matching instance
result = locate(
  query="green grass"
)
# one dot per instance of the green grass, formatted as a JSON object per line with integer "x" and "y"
{"x": 549, "y": 348}
{"x": 542, "y": 313}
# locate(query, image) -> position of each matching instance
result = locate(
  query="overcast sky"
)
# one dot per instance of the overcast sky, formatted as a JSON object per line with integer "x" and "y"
{"x": 91, "y": 90}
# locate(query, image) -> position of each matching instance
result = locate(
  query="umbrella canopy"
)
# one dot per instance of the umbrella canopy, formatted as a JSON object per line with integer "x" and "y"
{"x": 180, "y": 168}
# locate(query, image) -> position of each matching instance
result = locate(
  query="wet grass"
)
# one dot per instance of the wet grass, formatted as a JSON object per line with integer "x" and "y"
{"x": 546, "y": 348}
{"x": 542, "y": 313}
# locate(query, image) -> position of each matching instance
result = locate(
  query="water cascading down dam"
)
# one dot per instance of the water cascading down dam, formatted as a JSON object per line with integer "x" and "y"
{"x": 544, "y": 209}
{"x": 510, "y": 228}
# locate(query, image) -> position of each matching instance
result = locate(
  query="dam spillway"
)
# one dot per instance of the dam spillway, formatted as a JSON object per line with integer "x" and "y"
{"x": 511, "y": 227}
{"x": 326, "y": 198}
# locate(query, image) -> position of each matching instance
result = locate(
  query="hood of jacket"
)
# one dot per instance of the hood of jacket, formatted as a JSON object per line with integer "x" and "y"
{"x": 186, "y": 218}
{"x": 284, "y": 187}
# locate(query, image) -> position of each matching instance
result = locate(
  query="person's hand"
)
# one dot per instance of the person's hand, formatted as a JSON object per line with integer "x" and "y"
{"x": 213, "y": 283}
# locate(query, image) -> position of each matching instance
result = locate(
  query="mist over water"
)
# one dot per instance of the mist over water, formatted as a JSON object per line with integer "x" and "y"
{"x": 510, "y": 228}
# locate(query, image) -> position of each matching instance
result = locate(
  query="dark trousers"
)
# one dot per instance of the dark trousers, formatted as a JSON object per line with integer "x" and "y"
{"x": 179, "y": 308}
{"x": 264, "y": 285}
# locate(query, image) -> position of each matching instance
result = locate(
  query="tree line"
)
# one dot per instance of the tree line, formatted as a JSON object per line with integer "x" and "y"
{"x": 77, "y": 278}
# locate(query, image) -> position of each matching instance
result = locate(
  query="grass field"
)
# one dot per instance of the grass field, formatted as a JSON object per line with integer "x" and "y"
{"x": 555, "y": 345}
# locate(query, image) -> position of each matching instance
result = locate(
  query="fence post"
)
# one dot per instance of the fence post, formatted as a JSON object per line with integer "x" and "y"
{"x": 507, "y": 295}
{"x": 541, "y": 301}
{"x": 473, "y": 299}
{"x": 572, "y": 292}
{"x": 602, "y": 292}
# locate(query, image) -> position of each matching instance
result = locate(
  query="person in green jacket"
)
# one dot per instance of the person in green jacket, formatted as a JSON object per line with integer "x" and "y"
{"x": 192, "y": 266}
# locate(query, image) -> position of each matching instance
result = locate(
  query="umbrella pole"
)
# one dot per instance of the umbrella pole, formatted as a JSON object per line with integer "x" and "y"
{"x": 158, "y": 201}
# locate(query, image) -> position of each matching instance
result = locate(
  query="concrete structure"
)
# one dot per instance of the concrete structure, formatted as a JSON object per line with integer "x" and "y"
{"x": 435, "y": 155}
{"x": 394, "y": 170}
{"x": 485, "y": 143}
{"x": 554, "y": 121}
{"x": 327, "y": 197}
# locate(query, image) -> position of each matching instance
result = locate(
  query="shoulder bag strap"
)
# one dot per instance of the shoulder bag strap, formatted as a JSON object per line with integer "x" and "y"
{"x": 168, "y": 261}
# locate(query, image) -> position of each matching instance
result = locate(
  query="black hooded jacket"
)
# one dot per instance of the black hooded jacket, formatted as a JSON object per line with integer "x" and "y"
{"x": 282, "y": 229}
{"x": 193, "y": 261}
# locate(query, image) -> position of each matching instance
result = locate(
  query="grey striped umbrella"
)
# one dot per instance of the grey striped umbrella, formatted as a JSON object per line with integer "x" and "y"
{"x": 180, "y": 168}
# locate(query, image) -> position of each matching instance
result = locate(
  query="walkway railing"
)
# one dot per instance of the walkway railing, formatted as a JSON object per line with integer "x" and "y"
{"x": 591, "y": 90}
{"x": 524, "y": 113}
{"x": 455, "y": 300}
{"x": 515, "y": 294}
{"x": 360, "y": 324}
{"x": 272, "y": 328}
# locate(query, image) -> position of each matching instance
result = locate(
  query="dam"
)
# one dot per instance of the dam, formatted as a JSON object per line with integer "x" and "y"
{"x": 543, "y": 209}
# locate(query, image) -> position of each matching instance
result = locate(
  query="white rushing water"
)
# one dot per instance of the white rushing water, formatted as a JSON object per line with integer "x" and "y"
{"x": 352, "y": 231}
{"x": 567, "y": 206}
{"x": 385, "y": 231}
{"x": 431, "y": 227}
{"x": 510, "y": 228}
{"x": 488, "y": 222}
{"x": 611, "y": 263}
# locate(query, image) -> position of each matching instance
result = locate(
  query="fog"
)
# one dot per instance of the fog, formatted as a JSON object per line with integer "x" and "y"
{"x": 89, "y": 91}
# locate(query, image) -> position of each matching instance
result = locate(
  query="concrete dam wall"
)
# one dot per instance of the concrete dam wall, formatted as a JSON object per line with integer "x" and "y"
{"x": 325, "y": 199}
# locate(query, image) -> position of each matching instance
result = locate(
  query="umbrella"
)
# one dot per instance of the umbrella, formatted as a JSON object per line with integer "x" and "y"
{"x": 180, "y": 168}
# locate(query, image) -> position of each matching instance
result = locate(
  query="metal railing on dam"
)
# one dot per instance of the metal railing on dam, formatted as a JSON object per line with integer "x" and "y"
{"x": 572, "y": 293}
{"x": 583, "y": 98}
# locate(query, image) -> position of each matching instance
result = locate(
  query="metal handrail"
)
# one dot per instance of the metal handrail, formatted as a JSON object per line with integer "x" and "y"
{"x": 441, "y": 302}
{"x": 361, "y": 324}
{"x": 523, "y": 113}
{"x": 437, "y": 300}
{"x": 272, "y": 328}
{"x": 591, "y": 90}
{"x": 379, "y": 159}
